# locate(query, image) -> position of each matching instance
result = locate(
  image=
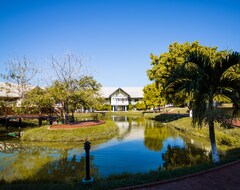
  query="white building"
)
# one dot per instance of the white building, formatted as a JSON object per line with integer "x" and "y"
{"x": 120, "y": 98}
{"x": 11, "y": 91}
{"x": 8, "y": 91}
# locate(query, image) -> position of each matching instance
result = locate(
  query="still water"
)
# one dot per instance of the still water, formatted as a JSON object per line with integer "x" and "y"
{"x": 142, "y": 145}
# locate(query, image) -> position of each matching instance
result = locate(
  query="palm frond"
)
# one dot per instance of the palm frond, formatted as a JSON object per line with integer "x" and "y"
{"x": 199, "y": 107}
{"x": 228, "y": 61}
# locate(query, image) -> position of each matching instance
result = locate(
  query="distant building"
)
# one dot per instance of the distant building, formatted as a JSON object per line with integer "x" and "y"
{"x": 8, "y": 91}
{"x": 121, "y": 98}
{"x": 118, "y": 98}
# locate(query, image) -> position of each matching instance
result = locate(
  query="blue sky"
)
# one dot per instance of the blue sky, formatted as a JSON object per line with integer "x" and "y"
{"x": 116, "y": 37}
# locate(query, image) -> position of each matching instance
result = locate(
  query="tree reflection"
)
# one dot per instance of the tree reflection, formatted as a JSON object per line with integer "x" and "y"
{"x": 68, "y": 169}
{"x": 154, "y": 137}
{"x": 44, "y": 163}
{"x": 177, "y": 157}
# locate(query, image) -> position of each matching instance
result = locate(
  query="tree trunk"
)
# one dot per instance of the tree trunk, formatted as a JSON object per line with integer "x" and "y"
{"x": 66, "y": 112}
{"x": 190, "y": 113}
{"x": 215, "y": 156}
{"x": 72, "y": 116}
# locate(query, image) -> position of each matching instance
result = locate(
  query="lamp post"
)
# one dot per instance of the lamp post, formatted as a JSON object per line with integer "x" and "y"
{"x": 88, "y": 178}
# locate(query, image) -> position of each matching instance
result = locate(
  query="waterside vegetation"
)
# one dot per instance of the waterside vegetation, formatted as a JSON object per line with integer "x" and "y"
{"x": 226, "y": 139}
{"x": 93, "y": 133}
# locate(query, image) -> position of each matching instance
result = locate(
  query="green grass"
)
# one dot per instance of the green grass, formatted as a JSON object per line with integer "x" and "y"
{"x": 225, "y": 138}
{"x": 127, "y": 113}
{"x": 98, "y": 132}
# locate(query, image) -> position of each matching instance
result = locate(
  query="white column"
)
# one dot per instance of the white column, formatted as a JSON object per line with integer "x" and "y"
{"x": 125, "y": 108}
{"x": 113, "y": 108}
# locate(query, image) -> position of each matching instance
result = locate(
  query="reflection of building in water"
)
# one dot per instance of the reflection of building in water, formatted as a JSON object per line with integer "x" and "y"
{"x": 122, "y": 124}
{"x": 119, "y": 118}
{"x": 128, "y": 128}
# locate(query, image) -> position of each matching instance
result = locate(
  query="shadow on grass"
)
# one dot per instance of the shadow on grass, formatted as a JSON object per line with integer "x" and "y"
{"x": 167, "y": 117}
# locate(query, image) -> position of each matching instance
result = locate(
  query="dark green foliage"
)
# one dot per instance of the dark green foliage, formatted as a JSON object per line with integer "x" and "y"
{"x": 204, "y": 79}
{"x": 168, "y": 117}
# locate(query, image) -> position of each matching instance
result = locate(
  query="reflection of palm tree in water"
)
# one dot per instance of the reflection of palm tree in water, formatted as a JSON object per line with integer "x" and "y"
{"x": 177, "y": 157}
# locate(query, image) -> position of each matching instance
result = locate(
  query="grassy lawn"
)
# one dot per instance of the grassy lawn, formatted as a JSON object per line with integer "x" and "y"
{"x": 226, "y": 138}
{"x": 145, "y": 114}
{"x": 98, "y": 132}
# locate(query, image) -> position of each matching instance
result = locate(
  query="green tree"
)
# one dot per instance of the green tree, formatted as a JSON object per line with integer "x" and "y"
{"x": 73, "y": 87}
{"x": 6, "y": 106}
{"x": 204, "y": 76}
{"x": 140, "y": 106}
{"x": 82, "y": 94}
{"x": 130, "y": 107}
{"x": 89, "y": 88}
{"x": 163, "y": 65}
{"x": 38, "y": 100}
{"x": 152, "y": 96}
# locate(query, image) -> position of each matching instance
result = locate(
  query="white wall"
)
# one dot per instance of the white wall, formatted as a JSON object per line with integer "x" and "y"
{"x": 119, "y": 99}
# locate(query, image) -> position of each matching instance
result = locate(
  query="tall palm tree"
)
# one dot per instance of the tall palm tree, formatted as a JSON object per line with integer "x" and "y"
{"x": 205, "y": 78}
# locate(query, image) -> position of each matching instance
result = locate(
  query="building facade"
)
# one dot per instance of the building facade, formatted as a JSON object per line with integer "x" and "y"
{"x": 121, "y": 98}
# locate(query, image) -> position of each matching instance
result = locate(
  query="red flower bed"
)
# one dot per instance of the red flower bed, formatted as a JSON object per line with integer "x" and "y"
{"x": 236, "y": 122}
{"x": 76, "y": 125}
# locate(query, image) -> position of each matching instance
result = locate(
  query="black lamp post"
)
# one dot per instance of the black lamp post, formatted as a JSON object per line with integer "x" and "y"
{"x": 88, "y": 178}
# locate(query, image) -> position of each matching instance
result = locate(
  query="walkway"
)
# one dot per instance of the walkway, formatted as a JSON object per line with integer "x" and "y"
{"x": 225, "y": 177}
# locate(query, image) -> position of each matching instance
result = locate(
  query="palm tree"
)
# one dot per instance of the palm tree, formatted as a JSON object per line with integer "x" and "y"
{"x": 205, "y": 78}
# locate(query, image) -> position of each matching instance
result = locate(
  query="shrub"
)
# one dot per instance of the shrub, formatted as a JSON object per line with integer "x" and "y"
{"x": 94, "y": 116}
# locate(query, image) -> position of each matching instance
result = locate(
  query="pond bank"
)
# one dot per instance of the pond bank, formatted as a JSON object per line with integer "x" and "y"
{"x": 226, "y": 138}
{"x": 93, "y": 133}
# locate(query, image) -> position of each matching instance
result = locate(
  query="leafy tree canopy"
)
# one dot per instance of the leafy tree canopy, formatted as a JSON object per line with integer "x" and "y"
{"x": 152, "y": 96}
{"x": 39, "y": 99}
{"x": 163, "y": 65}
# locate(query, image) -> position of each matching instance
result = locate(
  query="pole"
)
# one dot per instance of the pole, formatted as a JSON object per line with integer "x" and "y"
{"x": 88, "y": 178}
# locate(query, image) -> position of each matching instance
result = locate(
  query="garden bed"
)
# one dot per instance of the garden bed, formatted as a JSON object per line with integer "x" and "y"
{"x": 76, "y": 125}
{"x": 102, "y": 131}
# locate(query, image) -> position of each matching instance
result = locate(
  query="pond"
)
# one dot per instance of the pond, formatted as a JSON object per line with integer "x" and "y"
{"x": 142, "y": 145}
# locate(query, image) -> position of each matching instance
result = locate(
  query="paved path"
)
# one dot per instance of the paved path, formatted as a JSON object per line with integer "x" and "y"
{"x": 225, "y": 177}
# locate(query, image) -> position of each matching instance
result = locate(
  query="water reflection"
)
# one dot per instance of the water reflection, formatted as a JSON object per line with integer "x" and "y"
{"x": 177, "y": 157}
{"x": 142, "y": 145}
{"x": 34, "y": 162}
{"x": 155, "y": 136}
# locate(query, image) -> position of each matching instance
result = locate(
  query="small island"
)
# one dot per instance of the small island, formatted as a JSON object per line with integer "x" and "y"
{"x": 75, "y": 133}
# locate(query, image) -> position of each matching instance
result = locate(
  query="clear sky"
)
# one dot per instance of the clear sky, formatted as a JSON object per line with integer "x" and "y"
{"x": 116, "y": 37}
